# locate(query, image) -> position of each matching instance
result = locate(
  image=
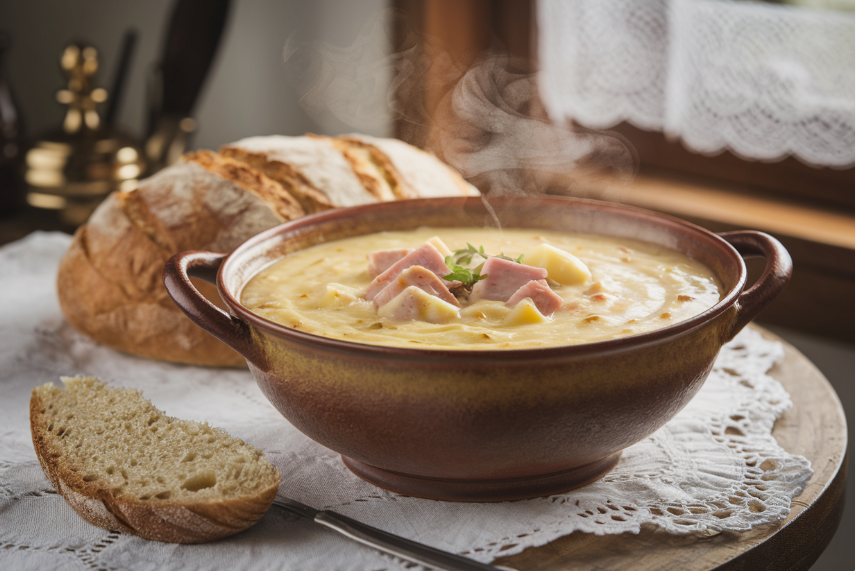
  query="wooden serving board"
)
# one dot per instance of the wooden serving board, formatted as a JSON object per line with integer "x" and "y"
{"x": 815, "y": 427}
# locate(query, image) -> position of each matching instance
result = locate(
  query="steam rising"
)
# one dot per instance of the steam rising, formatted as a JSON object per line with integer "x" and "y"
{"x": 346, "y": 84}
{"x": 486, "y": 121}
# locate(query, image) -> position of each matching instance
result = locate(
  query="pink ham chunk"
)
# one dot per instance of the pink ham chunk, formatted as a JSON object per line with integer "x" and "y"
{"x": 503, "y": 279}
{"x": 426, "y": 256}
{"x": 545, "y": 299}
{"x": 417, "y": 276}
{"x": 382, "y": 260}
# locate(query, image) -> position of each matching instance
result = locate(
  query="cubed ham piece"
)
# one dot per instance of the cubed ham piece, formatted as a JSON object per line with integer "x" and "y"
{"x": 425, "y": 255}
{"x": 419, "y": 277}
{"x": 382, "y": 260}
{"x": 415, "y": 304}
{"x": 545, "y": 299}
{"x": 503, "y": 279}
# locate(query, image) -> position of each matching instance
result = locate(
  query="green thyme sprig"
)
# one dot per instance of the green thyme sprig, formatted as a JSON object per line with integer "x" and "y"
{"x": 517, "y": 260}
{"x": 463, "y": 257}
{"x": 466, "y": 277}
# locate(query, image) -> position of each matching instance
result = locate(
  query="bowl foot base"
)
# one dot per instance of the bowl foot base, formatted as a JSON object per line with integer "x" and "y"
{"x": 483, "y": 490}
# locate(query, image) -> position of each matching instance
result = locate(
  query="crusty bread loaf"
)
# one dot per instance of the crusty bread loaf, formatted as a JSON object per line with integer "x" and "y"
{"x": 109, "y": 282}
{"x": 124, "y": 465}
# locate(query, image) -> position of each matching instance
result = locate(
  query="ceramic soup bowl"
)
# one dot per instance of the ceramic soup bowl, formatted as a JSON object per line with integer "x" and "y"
{"x": 477, "y": 425}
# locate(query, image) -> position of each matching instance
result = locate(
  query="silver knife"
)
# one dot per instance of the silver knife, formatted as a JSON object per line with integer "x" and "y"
{"x": 383, "y": 541}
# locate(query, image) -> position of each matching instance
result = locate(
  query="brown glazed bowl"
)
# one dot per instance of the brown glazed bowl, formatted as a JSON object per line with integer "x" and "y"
{"x": 481, "y": 425}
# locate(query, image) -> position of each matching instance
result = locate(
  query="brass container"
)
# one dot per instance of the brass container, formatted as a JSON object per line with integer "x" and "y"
{"x": 72, "y": 169}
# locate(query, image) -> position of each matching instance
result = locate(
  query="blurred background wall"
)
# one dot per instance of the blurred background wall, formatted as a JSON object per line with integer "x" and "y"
{"x": 247, "y": 91}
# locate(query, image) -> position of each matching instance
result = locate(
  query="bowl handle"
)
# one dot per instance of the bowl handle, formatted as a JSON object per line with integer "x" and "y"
{"x": 752, "y": 244}
{"x": 204, "y": 265}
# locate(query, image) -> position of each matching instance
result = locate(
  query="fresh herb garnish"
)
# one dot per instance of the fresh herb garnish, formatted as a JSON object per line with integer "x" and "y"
{"x": 466, "y": 277}
{"x": 465, "y": 256}
{"x": 459, "y": 259}
{"x": 518, "y": 260}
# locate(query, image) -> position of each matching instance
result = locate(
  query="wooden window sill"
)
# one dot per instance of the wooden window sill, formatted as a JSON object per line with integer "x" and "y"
{"x": 695, "y": 197}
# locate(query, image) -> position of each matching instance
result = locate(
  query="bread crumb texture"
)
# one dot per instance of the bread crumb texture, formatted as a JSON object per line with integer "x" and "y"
{"x": 154, "y": 475}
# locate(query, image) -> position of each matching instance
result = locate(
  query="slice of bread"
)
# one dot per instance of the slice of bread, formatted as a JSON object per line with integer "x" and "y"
{"x": 124, "y": 465}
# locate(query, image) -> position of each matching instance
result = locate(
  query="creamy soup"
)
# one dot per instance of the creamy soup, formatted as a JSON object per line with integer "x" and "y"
{"x": 627, "y": 287}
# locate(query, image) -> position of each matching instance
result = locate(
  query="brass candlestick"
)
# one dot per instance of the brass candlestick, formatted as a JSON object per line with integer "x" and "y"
{"x": 72, "y": 169}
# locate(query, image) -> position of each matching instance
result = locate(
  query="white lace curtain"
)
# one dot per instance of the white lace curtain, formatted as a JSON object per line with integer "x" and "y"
{"x": 764, "y": 81}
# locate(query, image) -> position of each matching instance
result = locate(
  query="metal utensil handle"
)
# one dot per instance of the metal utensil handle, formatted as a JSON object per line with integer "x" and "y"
{"x": 398, "y": 546}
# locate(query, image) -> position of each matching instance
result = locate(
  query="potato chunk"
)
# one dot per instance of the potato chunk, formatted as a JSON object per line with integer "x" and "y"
{"x": 413, "y": 303}
{"x": 440, "y": 245}
{"x": 338, "y": 295}
{"x": 561, "y": 266}
{"x": 524, "y": 313}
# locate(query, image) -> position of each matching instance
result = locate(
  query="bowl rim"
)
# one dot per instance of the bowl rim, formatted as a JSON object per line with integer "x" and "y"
{"x": 456, "y": 355}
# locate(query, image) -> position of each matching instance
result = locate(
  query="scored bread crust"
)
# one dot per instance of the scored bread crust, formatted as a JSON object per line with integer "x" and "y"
{"x": 148, "y": 324}
{"x": 309, "y": 197}
{"x": 164, "y": 520}
{"x": 272, "y": 194}
{"x": 418, "y": 169}
{"x": 317, "y": 159}
{"x": 110, "y": 281}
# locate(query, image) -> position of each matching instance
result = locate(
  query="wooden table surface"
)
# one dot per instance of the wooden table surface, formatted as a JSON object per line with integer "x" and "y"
{"x": 815, "y": 427}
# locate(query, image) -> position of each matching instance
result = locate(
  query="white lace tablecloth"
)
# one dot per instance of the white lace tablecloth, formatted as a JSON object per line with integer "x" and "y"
{"x": 713, "y": 468}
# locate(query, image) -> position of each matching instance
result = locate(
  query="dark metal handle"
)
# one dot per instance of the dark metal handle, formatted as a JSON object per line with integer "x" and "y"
{"x": 752, "y": 301}
{"x": 398, "y": 546}
{"x": 228, "y": 329}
